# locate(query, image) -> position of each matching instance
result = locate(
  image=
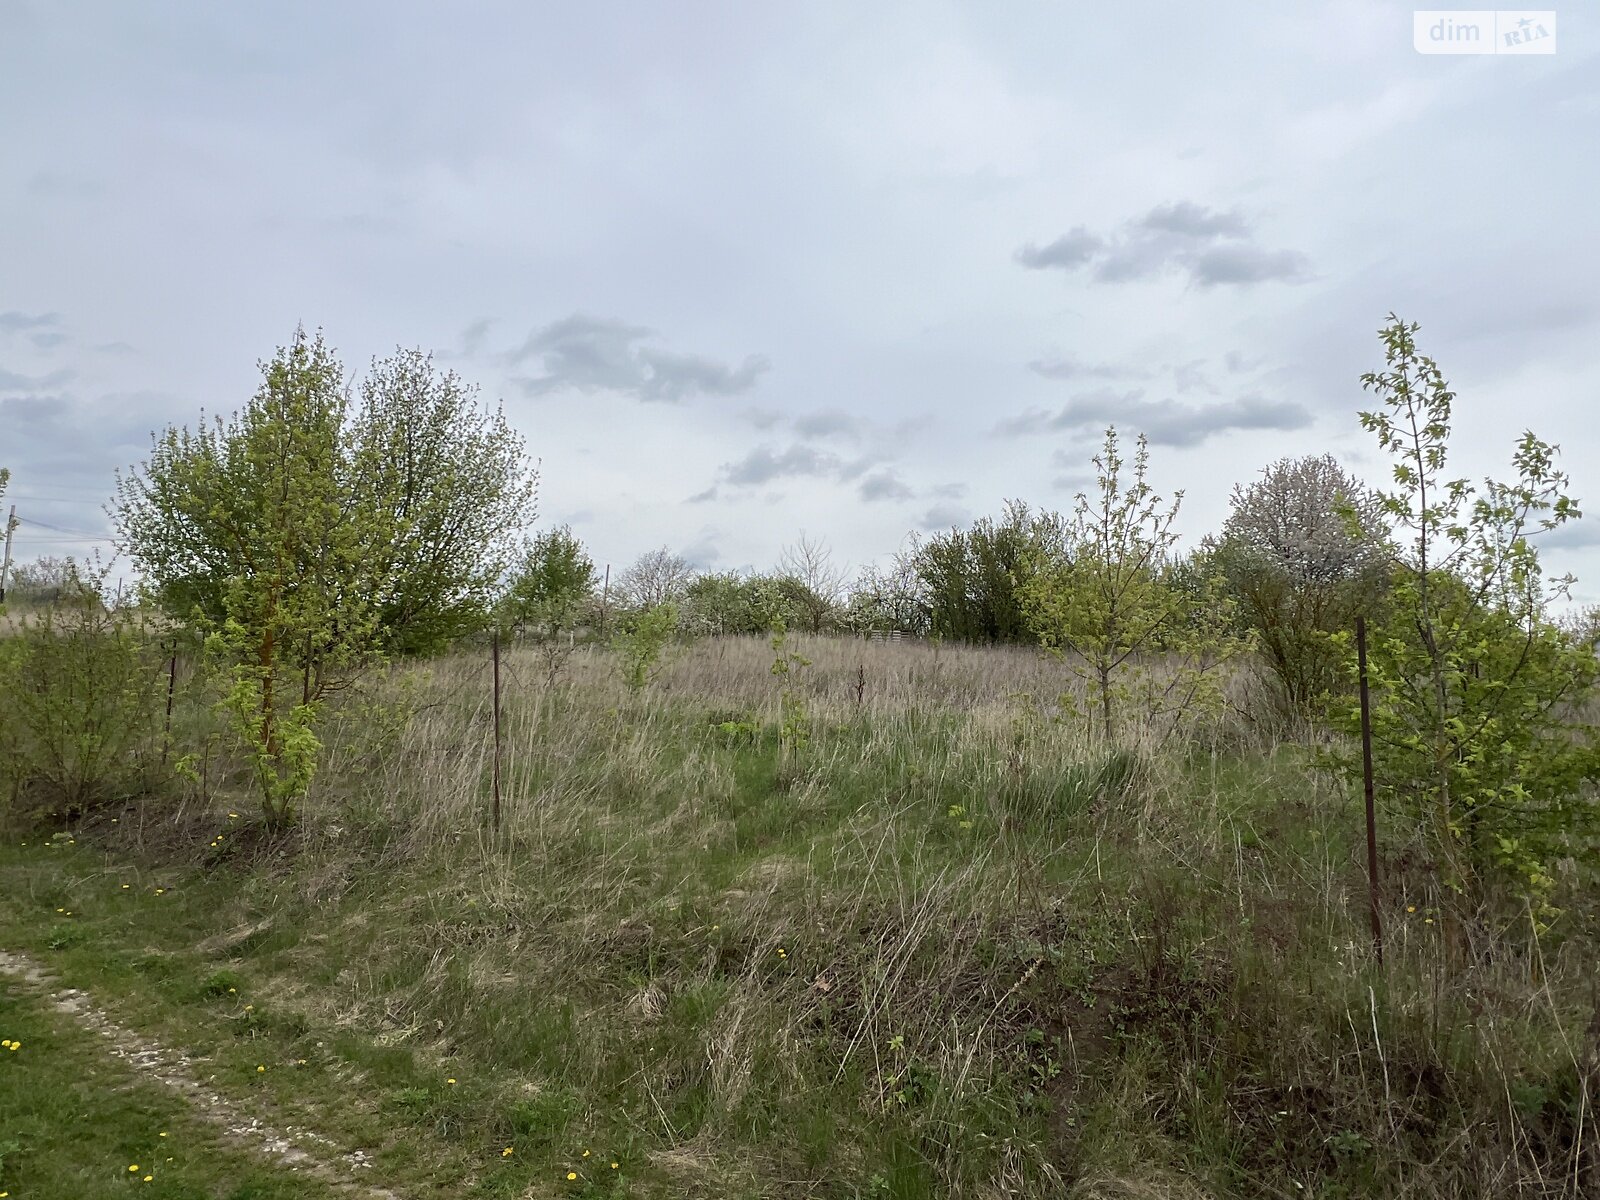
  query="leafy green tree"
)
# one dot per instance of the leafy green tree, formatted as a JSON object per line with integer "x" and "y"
{"x": 1479, "y": 740}
{"x": 1109, "y": 609}
{"x": 451, "y": 481}
{"x": 300, "y": 539}
{"x": 550, "y": 585}
{"x": 642, "y": 642}
{"x": 973, "y": 579}
{"x": 248, "y": 529}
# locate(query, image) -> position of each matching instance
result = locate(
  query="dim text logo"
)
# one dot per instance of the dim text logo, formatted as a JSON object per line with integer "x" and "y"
{"x": 1486, "y": 31}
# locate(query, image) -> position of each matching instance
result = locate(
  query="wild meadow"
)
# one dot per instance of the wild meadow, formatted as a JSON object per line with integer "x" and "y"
{"x": 1035, "y": 865}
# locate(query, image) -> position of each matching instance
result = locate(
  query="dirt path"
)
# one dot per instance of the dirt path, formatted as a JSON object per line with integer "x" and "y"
{"x": 296, "y": 1149}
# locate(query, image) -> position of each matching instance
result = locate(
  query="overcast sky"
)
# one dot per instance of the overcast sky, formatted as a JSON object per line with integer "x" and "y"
{"x": 740, "y": 270}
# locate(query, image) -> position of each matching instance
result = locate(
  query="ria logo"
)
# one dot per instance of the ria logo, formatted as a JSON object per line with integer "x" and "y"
{"x": 1489, "y": 31}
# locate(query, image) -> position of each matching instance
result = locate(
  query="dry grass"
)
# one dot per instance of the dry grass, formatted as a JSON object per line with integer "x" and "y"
{"x": 951, "y": 946}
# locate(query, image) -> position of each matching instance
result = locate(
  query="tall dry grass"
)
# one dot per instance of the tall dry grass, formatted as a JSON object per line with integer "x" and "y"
{"x": 953, "y": 946}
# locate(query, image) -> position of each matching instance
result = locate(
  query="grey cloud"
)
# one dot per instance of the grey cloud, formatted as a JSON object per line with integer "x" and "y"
{"x": 591, "y": 354}
{"x": 884, "y": 485}
{"x": 702, "y": 554}
{"x": 21, "y": 322}
{"x": 48, "y": 339}
{"x": 1248, "y": 264}
{"x": 948, "y": 491}
{"x": 942, "y": 516}
{"x": 10, "y": 381}
{"x": 704, "y": 497}
{"x": 674, "y": 376}
{"x": 1573, "y": 535}
{"x": 857, "y": 468}
{"x": 1164, "y": 422}
{"x": 1193, "y": 220}
{"x": 831, "y": 423}
{"x": 1069, "y": 251}
{"x": 763, "y": 465}
{"x": 1182, "y": 237}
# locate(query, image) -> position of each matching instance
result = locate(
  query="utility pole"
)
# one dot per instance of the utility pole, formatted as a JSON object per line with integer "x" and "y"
{"x": 605, "y": 598}
{"x": 5, "y": 566}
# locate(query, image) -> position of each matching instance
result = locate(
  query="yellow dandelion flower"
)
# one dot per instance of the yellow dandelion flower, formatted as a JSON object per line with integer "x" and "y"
{"x": 572, "y": 1175}
{"x": 14, "y": 1046}
{"x": 506, "y": 1153}
{"x": 233, "y": 816}
{"x": 148, "y": 1178}
{"x": 451, "y": 1082}
{"x": 1411, "y": 908}
{"x": 260, "y": 1069}
{"x": 126, "y": 886}
{"x": 134, "y": 1167}
{"x": 163, "y": 1133}
{"x": 1427, "y": 920}
{"x": 249, "y": 1008}
{"x": 233, "y": 991}
{"x": 586, "y": 1154}
{"x": 613, "y": 1166}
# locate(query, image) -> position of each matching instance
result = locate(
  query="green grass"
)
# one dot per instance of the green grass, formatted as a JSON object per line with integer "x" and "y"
{"x": 74, "y": 1121}
{"x": 951, "y": 948}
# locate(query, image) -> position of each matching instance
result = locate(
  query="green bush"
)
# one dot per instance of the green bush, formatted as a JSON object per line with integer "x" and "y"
{"x": 81, "y": 704}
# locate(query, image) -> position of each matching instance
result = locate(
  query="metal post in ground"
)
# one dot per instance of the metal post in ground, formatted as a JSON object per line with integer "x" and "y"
{"x": 1367, "y": 786}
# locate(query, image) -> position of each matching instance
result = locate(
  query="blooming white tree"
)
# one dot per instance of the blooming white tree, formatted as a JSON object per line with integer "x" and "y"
{"x": 1302, "y": 549}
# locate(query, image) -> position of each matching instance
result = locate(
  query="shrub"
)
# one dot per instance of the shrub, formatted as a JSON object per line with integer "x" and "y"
{"x": 82, "y": 687}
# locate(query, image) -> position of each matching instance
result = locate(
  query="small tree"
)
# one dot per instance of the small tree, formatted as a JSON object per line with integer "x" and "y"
{"x": 1477, "y": 735}
{"x": 246, "y": 530}
{"x": 819, "y": 582}
{"x": 550, "y": 585}
{"x": 452, "y": 487}
{"x": 642, "y": 642}
{"x": 1302, "y": 551}
{"x": 1107, "y": 607}
{"x": 657, "y": 577}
